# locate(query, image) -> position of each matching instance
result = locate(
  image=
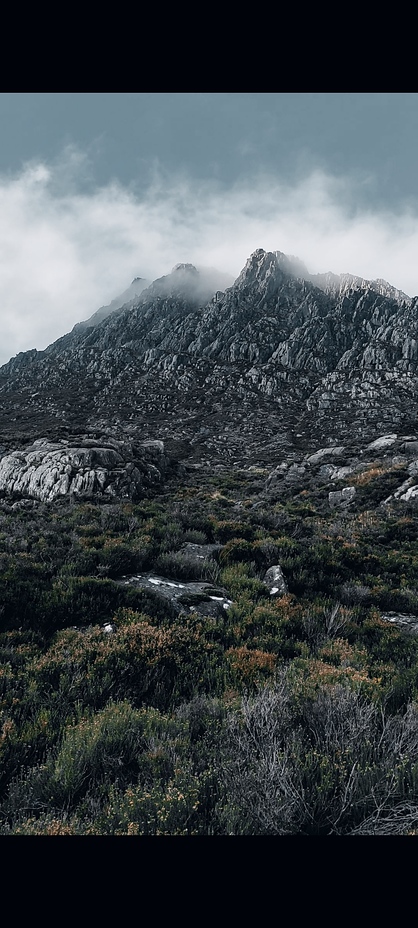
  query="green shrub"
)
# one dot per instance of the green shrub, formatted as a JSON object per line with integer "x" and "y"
{"x": 117, "y": 746}
{"x": 179, "y": 566}
{"x": 236, "y": 550}
{"x": 224, "y": 531}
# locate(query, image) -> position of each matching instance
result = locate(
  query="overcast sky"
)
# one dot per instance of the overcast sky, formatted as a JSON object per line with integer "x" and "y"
{"x": 98, "y": 188}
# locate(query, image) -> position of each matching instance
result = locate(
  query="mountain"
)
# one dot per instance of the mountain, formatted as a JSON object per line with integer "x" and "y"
{"x": 279, "y": 360}
{"x": 136, "y": 287}
{"x": 209, "y": 562}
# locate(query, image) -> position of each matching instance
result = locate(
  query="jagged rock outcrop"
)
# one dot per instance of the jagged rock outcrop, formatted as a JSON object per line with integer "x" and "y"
{"x": 85, "y": 468}
{"x": 338, "y": 284}
{"x": 277, "y": 361}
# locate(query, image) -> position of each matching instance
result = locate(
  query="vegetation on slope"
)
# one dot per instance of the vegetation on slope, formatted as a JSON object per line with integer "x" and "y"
{"x": 291, "y": 714}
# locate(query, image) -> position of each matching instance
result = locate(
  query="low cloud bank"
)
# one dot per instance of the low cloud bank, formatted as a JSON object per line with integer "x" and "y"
{"x": 66, "y": 250}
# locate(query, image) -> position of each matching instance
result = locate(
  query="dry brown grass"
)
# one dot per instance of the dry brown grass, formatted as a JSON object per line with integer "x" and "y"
{"x": 366, "y": 477}
{"x": 373, "y": 471}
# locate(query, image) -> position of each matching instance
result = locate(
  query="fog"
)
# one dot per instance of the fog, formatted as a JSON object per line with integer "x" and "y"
{"x": 66, "y": 251}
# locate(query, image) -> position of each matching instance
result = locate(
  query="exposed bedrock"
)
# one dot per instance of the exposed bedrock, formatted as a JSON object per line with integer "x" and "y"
{"x": 83, "y": 467}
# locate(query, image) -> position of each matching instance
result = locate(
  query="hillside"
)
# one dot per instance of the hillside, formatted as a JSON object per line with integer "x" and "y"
{"x": 209, "y": 562}
{"x": 227, "y": 375}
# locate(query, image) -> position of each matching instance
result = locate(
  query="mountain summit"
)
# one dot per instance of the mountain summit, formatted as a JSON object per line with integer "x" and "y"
{"x": 225, "y": 370}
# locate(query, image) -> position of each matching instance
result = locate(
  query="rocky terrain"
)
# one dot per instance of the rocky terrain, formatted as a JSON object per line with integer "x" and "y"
{"x": 208, "y": 561}
{"x": 83, "y": 468}
{"x": 264, "y": 372}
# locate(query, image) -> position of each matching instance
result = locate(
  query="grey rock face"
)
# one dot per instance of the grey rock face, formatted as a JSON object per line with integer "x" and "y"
{"x": 405, "y": 621}
{"x": 411, "y": 448}
{"x": 342, "y": 498}
{"x": 47, "y": 470}
{"x": 385, "y": 441}
{"x": 323, "y": 454}
{"x": 231, "y": 370}
{"x": 275, "y": 581}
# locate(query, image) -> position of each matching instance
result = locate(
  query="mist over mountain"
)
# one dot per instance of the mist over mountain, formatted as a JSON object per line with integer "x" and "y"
{"x": 228, "y": 371}
{"x": 135, "y": 288}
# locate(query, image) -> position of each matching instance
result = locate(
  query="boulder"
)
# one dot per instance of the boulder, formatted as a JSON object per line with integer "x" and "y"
{"x": 402, "y": 492}
{"x": 200, "y": 553}
{"x": 277, "y": 474}
{"x": 341, "y": 498}
{"x": 410, "y": 447}
{"x": 385, "y": 441}
{"x": 411, "y": 493}
{"x": 275, "y": 581}
{"x": 319, "y": 456}
{"x": 295, "y": 473}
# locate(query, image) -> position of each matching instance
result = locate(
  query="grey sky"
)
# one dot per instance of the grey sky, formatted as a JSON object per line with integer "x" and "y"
{"x": 98, "y": 188}
{"x": 224, "y": 136}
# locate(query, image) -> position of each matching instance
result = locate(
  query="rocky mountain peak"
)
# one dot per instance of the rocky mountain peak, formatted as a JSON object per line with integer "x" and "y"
{"x": 259, "y": 264}
{"x": 187, "y": 282}
{"x": 185, "y": 269}
{"x": 268, "y": 268}
{"x": 227, "y": 370}
{"x": 261, "y": 269}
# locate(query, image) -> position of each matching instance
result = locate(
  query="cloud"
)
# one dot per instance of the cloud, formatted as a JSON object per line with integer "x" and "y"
{"x": 67, "y": 248}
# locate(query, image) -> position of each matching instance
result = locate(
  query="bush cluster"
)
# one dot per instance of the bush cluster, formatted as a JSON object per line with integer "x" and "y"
{"x": 294, "y": 713}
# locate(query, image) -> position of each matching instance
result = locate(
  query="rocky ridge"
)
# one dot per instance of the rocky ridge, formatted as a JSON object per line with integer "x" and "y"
{"x": 250, "y": 374}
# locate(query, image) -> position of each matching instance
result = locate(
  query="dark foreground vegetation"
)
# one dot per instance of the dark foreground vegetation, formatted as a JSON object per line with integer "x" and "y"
{"x": 282, "y": 715}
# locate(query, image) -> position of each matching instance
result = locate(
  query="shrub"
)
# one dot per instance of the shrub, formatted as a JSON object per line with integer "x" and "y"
{"x": 240, "y": 578}
{"x": 104, "y": 748}
{"x": 236, "y": 550}
{"x": 226, "y": 530}
{"x": 250, "y": 666}
{"x": 161, "y": 809}
{"x": 179, "y": 566}
{"x": 117, "y": 746}
{"x": 332, "y": 764}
